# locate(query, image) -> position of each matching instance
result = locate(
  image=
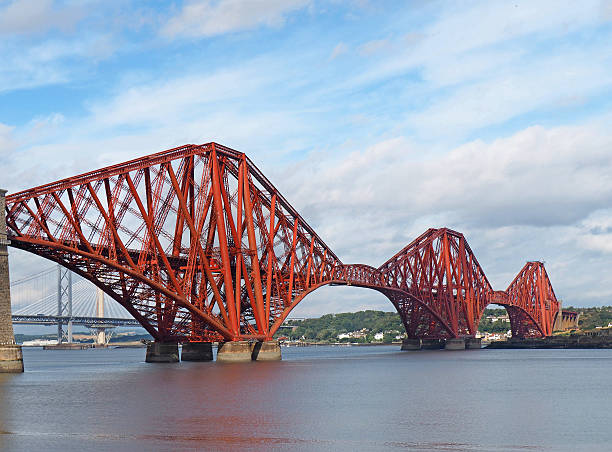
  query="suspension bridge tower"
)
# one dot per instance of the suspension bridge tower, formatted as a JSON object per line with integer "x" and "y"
{"x": 99, "y": 330}
{"x": 11, "y": 359}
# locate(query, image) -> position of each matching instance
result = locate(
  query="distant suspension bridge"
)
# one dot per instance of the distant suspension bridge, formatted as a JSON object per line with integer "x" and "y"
{"x": 53, "y": 297}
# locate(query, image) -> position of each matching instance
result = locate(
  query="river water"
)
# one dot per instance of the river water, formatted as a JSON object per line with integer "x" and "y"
{"x": 316, "y": 399}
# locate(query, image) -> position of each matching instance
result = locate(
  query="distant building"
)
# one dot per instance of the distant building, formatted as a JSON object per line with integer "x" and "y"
{"x": 354, "y": 334}
{"x": 568, "y": 320}
{"x": 39, "y": 342}
{"x": 498, "y": 318}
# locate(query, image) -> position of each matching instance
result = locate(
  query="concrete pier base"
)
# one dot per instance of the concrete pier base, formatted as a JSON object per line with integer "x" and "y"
{"x": 411, "y": 344}
{"x": 266, "y": 351}
{"x": 162, "y": 352}
{"x": 473, "y": 343}
{"x": 235, "y": 351}
{"x": 11, "y": 359}
{"x": 455, "y": 344}
{"x": 197, "y": 351}
{"x": 432, "y": 344}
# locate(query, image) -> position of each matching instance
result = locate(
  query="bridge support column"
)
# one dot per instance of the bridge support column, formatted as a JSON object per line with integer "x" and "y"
{"x": 411, "y": 344}
{"x": 11, "y": 358}
{"x": 266, "y": 351}
{"x": 473, "y": 343}
{"x": 455, "y": 344}
{"x": 432, "y": 344}
{"x": 162, "y": 352}
{"x": 197, "y": 351}
{"x": 234, "y": 351}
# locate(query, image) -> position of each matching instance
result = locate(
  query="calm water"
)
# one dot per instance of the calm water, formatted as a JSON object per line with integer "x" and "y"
{"x": 320, "y": 399}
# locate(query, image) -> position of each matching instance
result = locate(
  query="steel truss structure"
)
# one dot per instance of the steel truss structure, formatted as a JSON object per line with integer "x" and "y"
{"x": 198, "y": 245}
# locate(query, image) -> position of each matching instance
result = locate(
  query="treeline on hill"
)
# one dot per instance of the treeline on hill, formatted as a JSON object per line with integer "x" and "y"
{"x": 591, "y": 318}
{"x": 328, "y": 327}
{"x": 498, "y": 326}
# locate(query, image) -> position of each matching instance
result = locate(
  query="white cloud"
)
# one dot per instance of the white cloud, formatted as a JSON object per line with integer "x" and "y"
{"x": 606, "y": 11}
{"x": 537, "y": 177}
{"x": 534, "y": 195}
{"x": 178, "y": 98}
{"x": 487, "y": 23}
{"x": 596, "y": 231}
{"x": 51, "y": 151}
{"x": 50, "y": 61}
{"x": 477, "y": 26}
{"x": 340, "y": 49}
{"x": 373, "y": 47}
{"x": 481, "y": 64}
{"x": 340, "y": 299}
{"x": 548, "y": 83}
{"x": 7, "y": 143}
{"x": 37, "y": 16}
{"x": 209, "y": 18}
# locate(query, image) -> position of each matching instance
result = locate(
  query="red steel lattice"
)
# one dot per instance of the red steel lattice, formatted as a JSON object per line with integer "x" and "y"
{"x": 197, "y": 245}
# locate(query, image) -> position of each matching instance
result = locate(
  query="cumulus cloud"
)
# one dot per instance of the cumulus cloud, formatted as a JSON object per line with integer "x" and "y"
{"x": 534, "y": 195}
{"x": 37, "y": 16}
{"x": 596, "y": 231}
{"x": 208, "y": 18}
{"x": 537, "y": 177}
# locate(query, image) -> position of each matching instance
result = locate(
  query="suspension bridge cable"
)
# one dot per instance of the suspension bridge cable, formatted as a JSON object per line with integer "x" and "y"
{"x": 31, "y": 277}
{"x": 39, "y": 297}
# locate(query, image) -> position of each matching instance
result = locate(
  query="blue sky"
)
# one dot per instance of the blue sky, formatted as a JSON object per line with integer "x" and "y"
{"x": 376, "y": 119}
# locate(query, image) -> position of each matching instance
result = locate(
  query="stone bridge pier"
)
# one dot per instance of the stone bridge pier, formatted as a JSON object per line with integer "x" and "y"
{"x": 11, "y": 359}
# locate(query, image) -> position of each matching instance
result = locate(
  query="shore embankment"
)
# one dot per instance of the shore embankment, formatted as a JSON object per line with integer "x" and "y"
{"x": 565, "y": 341}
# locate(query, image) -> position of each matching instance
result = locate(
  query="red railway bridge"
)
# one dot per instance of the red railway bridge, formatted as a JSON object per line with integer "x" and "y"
{"x": 199, "y": 246}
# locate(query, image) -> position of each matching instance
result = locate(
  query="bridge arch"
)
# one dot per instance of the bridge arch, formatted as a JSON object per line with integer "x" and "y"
{"x": 81, "y": 260}
{"x": 522, "y": 324}
{"x": 404, "y": 303}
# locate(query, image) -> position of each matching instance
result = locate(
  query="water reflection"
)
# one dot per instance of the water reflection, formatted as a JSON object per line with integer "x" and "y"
{"x": 359, "y": 398}
{"x": 5, "y": 409}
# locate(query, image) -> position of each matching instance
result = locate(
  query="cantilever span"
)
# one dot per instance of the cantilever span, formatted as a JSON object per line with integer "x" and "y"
{"x": 441, "y": 291}
{"x": 198, "y": 245}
